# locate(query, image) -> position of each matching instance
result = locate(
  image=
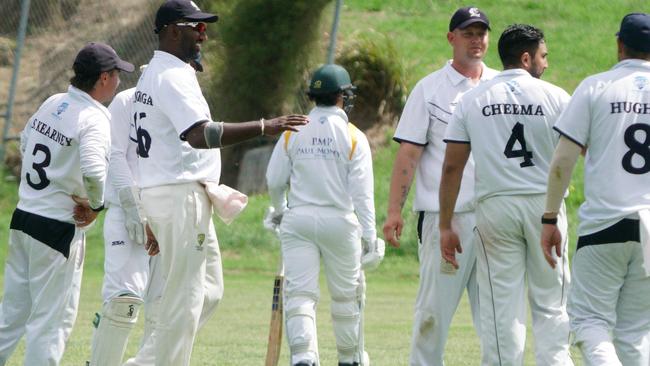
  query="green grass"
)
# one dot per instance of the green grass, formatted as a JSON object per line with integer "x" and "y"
{"x": 581, "y": 41}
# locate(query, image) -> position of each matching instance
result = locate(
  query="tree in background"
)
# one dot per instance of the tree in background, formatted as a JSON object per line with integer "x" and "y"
{"x": 266, "y": 47}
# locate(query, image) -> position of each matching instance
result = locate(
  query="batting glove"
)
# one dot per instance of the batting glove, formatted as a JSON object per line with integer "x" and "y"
{"x": 372, "y": 254}
{"x": 272, "y": 220}
{"x": 134, "y": 218}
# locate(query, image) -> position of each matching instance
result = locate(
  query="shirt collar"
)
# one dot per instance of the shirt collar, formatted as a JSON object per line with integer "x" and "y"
{"x": 513, "y": 72}
{"x": 168, "y": 57}
{"x": 78, "y": 93}
{"x": 456, "y": 78}
{"x": 633, "y": 62}
{"x": 332, "y": 110}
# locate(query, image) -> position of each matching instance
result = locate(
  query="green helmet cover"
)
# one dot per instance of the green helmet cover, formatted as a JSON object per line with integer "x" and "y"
{"x": 329, "y": 79}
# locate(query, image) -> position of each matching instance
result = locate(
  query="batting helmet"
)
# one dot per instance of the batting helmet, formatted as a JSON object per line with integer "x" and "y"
{"x": 329, "y": 79}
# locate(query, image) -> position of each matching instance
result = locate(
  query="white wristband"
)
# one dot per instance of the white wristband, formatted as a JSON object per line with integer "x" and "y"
{"x": 262, "y": 126}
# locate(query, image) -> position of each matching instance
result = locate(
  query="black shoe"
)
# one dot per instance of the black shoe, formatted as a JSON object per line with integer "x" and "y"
{"x": 304, "y": 364}
{"x": 348, "y": 364}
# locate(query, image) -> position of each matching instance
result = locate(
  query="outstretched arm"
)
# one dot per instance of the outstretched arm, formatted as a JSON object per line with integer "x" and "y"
{"x": 210, "y": 134}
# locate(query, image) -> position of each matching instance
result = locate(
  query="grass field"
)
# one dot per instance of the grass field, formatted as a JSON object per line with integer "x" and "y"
{"x": 581, "y": 41}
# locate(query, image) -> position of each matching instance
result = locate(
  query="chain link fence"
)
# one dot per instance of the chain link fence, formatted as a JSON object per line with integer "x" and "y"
{"x": 56, "y": 30}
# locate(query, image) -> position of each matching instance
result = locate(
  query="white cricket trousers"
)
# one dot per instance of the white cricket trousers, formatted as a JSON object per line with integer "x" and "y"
{"x": 440, "y": 291}
{"x": 213, "y": 293}
{"x": 609, "y": 305}
{"x": 180, "y": 217}
{"x": 40, "y": 298}
{"x": 126, "y": 264}
{"x": 510, "y": 254}
{"x": 309, "y": 233}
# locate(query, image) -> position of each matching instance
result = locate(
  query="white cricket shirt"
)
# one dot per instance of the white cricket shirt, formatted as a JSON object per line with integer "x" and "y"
{"x": 122, "y": 170}
{"x": 67, "y": 138}
{"x": 320, "y": 167}
{"x": 609, "y": 113}
{"x": 168, "y": 101}
{"x": 509, "y": 123}
{"x": 423, "y": 122}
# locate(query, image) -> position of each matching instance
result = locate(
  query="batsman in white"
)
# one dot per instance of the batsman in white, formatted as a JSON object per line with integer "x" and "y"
{"x": 420, "y": 132}
{"x": 609, "y": 116}
{"x": 507, "y": 125}
{"x": 65, "y": 148}
{"x": 127, "y": 265}
{"x": 321, "y": 186}
{"x": 177, "y": 154}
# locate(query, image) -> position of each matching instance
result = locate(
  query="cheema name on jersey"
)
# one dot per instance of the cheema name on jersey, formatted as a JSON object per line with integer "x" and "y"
{"x": 520, "y": 109}
{"x": 630, "y": 107}
{"x": 42, "y": 128}
{"x": 143, "y": 98}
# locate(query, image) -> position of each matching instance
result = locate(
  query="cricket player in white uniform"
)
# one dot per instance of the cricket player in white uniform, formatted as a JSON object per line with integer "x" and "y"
{"x": 178, "y": 151}
{"x": 320, "y": 181}
{"x": 609, "y": 116}
{"x": 127, "y": 264}
{"x": 65, "y": 148}
{"x": 507, "y": 124}
{"x": 420, "y": 132}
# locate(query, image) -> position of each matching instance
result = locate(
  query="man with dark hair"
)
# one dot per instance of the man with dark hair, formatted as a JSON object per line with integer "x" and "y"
{"x": 419, "y": 132}
{"x": 608, "y": 116}
{"x": 65, "y": 148}
{"x": 321, "y": 186}
{"x": 507, "y": 125}
{"x": 178, "y": 150}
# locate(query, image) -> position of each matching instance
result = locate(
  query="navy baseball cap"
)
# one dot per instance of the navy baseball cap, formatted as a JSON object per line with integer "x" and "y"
{"x": 463, "y": 17}
{"x": 175, "y": 10}
{"x": 635, "y": 31}
{"x": 96, "y": 57}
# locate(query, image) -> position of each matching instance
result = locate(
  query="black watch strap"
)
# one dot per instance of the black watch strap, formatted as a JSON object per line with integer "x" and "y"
{"x": 98, "y": 209}
{"x": 549, "y": 221}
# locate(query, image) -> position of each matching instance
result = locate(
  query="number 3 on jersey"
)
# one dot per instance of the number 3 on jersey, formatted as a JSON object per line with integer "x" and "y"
{"x": 43, "y": 182}
{"x": 518, "y": 136}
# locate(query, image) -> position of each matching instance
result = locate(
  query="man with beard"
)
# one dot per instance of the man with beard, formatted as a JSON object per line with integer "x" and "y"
{"x": 507, "y": 124}
{"x": 178, "y": 153}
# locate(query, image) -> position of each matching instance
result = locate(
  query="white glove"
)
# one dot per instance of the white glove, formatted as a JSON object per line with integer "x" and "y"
{"x": 372, "y": 253}
{"x": 134, "y": 218}
{"x": 272, "y": 220}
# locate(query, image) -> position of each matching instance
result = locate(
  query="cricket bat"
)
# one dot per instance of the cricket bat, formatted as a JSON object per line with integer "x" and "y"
{"x": 275, "y": 330}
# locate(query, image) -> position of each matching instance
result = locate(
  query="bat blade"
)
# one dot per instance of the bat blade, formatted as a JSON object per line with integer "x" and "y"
{"x": 275, "y": 329}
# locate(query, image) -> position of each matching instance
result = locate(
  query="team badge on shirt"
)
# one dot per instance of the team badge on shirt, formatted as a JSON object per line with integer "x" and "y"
{"x": 513, "y": 87}
{"x": 200, "y": 239}
{"x": 640, "y": 82}
{"x": 60, "y": 109}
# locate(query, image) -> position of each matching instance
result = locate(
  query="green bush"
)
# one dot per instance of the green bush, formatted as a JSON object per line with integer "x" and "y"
{"x": 378, "y": 72}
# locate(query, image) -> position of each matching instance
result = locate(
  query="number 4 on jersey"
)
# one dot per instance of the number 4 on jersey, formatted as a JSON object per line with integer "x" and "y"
{"x": 518, "y": 136}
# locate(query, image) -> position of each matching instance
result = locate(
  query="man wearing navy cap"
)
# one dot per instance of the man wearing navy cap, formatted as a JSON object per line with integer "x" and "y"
{"x": 65, "y": 147}
{"x": 420, "y": 132}
{"x": 609, "y": 117}
{"x": 178, "y": 154}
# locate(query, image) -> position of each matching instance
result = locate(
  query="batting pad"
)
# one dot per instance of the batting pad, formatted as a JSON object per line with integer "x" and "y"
{"x": 119, "y": 315}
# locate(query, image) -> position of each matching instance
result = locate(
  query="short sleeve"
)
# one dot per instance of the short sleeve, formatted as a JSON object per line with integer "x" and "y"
{"x": 182, "y": 101}
{"x": 457, "y": 129}
{"x": 414, "y": 121}
{"x": 574, "y": 122}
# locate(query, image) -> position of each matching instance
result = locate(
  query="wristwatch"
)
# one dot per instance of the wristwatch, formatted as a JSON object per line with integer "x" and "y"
{"x": 549, "y": 221}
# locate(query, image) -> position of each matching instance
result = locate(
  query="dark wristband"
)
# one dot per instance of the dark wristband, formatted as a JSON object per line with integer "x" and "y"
{"x": 549, "y": 221}
{"x": 98, "y": 209}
